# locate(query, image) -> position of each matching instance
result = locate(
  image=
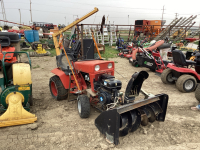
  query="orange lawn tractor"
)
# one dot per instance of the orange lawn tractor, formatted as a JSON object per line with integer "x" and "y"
{"x": 93, "y": 82}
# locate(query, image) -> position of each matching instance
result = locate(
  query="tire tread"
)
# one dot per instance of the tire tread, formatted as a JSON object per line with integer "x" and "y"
{"x": 62, "y": 92}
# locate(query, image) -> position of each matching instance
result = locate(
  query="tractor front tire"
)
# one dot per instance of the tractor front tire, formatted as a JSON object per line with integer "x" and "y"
{"x": 197, "y": 92}
{"x": 57, "y": 89}
{"x": 166, "y": 76}
{"x": 83, "y": 106}
{"x": 186, "y": 83}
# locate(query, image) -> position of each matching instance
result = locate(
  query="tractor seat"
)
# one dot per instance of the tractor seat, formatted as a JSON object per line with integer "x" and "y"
{"x": 75, "y": 49}
{"x": 180, "y": 60}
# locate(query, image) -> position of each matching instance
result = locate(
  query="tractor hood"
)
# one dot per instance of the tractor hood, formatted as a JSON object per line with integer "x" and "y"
{"x": 94, "y": 66}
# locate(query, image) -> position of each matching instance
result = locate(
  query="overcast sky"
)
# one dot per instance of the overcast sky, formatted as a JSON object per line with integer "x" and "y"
{"x": 55, "y": 11}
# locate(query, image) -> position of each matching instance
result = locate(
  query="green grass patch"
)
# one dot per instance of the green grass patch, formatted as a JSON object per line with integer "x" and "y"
{"x": 53, "y": 52}
{"x": 196, "y": 42}
{"x": 109, "y": 52}
{"x": 36, "y": 67}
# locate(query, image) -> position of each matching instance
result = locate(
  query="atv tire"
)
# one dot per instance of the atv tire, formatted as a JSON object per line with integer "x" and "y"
{"x": 83, "y": 106}
{"x": 57, "y": 89}
{"x": 197, "y": 92}
{"x": 166, "y": 76}
{"x": 186, "y": 83}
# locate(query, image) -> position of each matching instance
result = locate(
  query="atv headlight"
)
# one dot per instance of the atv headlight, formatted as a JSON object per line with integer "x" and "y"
{"x": 109, "y": 65}
{"x": 97, "y": 67}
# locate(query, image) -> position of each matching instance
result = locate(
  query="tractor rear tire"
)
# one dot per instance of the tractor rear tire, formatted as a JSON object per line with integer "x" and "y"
{"x": 57, "y": 89}
{"x": 186, "y": 83}
{"x": 166, "y": 76}
{"x": 197, "y": 92}
{"x": 83, "y": 106}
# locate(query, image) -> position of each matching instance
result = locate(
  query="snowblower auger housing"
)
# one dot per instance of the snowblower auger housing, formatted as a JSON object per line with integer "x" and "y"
{"x": 127, "y": 118}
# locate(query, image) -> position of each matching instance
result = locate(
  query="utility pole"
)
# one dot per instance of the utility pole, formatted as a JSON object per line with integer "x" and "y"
{"x": 20, "y": 15}
{"x": 176, "y": 15}
{"x": 30, "y": 11}
{"x": 3, "y": 11}
{"x": 128, "y": 19}
{"x": 162, "y": 14}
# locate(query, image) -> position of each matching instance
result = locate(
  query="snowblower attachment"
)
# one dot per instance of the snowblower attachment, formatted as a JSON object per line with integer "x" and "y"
{"x": 126, "y": 118}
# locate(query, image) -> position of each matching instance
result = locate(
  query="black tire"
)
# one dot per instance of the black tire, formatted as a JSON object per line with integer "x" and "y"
{"x": 31, "y": 100}
{"x": 166, "y": 76}
{"x": 57, "y": 89}
{"x": 135, "y": 63}
{"x": 83, "y": 106}
{"x": 122, "y": 56}
{"x": 197, "y": 92}
{"x": 183, "y": 82}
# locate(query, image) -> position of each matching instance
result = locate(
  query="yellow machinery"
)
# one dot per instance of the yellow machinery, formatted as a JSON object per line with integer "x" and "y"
{"x": 40, "y": 49}
{"x": 16, "y": 95}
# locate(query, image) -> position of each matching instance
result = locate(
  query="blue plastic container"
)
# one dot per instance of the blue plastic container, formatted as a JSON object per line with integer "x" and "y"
{"x": 36, "y": 35}
{"x": 19, "y": 35}
{"x": 29, "y": 35}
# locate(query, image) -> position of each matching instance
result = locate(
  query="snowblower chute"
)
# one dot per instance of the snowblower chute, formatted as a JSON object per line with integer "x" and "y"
{"x": 128, "y": 116}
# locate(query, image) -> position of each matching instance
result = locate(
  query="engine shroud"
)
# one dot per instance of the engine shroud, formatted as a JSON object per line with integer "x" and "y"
{"x": 109, "y": 83}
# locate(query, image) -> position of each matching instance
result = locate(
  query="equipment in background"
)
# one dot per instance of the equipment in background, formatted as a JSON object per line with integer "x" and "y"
{"x": 150, "y": 57}
{"x": 32, "y": 36}
{"x": 8, "y": 41}
{"x": 179, "y": 72}
{"x": 93, "y": 81}
{"x": 127, "y": 52}
{"x": 16, "y": 96}
{"x": 190, "y": 55}
{"x": 120, "y": 44}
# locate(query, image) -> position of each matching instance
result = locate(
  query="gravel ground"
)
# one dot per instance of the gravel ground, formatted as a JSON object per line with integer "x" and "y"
{"x": 60, "y": 127}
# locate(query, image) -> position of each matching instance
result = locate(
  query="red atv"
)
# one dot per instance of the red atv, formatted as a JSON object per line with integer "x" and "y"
{"x": 179, "y": 72}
